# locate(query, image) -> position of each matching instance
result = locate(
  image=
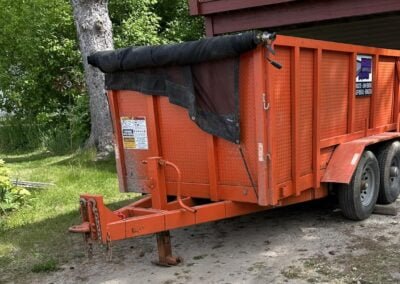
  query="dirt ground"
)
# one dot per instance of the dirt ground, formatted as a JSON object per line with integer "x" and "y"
{"x": 307, "y": 243}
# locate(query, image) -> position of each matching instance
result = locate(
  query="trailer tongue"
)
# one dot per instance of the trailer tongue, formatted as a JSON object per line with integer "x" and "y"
{"x": 217, "y": 128}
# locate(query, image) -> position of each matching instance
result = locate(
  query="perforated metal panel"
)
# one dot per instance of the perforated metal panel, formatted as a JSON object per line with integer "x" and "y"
{"x": 231, "y": 170}
{"x": 305, "y": 124}
{"x": 385, "y": 92}
{"x": 361, "y": 112}
{"x": 334, "y": 93}
{"x": 182, "y": 143}
{"x": 281, "y": 91}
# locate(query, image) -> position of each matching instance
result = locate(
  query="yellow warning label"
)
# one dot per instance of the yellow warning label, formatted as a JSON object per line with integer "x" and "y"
{"x": 129, "y": 143}
{"x": 134, "y": 133}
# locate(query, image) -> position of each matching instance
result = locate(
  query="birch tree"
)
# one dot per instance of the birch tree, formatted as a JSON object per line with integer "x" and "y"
{"x": 94, "y": 31}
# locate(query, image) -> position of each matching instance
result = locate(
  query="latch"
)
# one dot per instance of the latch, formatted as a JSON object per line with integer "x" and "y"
{"x": 265, "y": 103}
{"x": 268, "y": 39}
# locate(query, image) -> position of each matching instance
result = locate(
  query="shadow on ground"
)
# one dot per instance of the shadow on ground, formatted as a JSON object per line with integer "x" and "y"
{"x": 103, "y": 165}
{"x": 28, "y": 157}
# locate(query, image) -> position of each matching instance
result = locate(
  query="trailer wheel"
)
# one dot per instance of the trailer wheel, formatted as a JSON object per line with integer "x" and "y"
{"x": 389, "y": 163}
{"x": 357, "y": 199}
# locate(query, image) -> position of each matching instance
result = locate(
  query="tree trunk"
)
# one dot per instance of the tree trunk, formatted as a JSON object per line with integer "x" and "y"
{"x": 94, "y": 31}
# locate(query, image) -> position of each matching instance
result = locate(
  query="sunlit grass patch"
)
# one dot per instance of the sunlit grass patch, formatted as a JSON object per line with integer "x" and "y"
{"x": 35, "y": 237}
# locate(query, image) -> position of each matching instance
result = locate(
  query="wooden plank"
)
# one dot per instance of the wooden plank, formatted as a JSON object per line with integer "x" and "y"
{"x": 294, "y": 13}
{"x": 201, "y": 7}
{"x": 194, "y": 8}
{"x": 390, "y": 209}
{"x": 209, "y": 27}
{"x": 31, "y": 184}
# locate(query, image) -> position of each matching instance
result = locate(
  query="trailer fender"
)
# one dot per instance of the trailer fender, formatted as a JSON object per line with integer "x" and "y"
{"x": 346, "y": 156}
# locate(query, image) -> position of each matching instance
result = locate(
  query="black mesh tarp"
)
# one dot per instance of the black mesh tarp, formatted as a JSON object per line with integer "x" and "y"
{"x": 202, "y": 76}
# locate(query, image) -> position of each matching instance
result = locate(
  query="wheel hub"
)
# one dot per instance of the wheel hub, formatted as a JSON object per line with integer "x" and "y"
{"x": 394, "y": 172}
{"x": 366, "y": 188}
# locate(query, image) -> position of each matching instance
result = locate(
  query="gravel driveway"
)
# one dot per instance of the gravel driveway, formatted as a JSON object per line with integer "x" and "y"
{"x": 306, "y": 243}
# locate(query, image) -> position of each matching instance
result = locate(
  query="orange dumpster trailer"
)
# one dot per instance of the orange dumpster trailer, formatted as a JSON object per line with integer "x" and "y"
{"x": 231, "y": 125}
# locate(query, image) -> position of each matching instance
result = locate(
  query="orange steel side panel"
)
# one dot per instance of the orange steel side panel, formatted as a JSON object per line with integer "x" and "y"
{"x": 280, "y": 91}
{"x": 361, "y": 113}
{"x": 292, "y": 120}
{"x": 230, "y": 167}
{"x": 305, "y": 145}
{"x": 385, "y": 93}
{"x": 334, "y": 92}
{"x": 182, "y": 142}
{"x": 134, "y": 104}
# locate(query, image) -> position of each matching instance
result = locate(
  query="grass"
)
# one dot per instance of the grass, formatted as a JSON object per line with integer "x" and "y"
{"x": 35, "y": 238}
{"x": 46, "y": 266}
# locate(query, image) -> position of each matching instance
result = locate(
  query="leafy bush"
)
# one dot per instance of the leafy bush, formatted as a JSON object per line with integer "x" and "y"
{"x": 11, "y": 197}
{"x": 42, "y": 86}
{"x": 145, "y": 22}
{"x": 16, "y": 134}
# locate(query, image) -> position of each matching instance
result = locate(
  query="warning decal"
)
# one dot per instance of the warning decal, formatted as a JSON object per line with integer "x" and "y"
{"x": 134, "y": 133}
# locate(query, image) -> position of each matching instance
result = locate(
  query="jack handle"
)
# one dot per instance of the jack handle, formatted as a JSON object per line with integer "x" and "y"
{"x": 178, "y": 190}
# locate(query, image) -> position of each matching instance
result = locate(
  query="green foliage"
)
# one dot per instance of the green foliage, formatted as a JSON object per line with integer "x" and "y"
{"x": 11, "y": 198}
{"x": 35, "y": 234}
{"x": 47, "y": 131}
{"x": 145, "y": 22}
{"x": 41, "y": 76}
{"x": 176, "y": 23}
{"x": 18, "y": 134}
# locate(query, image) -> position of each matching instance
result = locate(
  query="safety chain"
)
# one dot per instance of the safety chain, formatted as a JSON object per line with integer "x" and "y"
{"x": 96, "y": 218}
{"x": 83, "y": 210}
{"x": 88, "y": 245}
{"x": 86, "y": 236}
{"x": 108, "y": 247}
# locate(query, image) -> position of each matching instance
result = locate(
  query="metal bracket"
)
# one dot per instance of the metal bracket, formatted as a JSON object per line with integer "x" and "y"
{"x": 266, "y": 105}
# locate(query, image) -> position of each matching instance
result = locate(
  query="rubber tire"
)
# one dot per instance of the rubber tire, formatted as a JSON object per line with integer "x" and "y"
{"x": 388, "y": 192}
{"x": 349, "y": 195}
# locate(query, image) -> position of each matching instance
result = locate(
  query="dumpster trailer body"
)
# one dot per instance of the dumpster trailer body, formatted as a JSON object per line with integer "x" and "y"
{"x": 302, "y": 127}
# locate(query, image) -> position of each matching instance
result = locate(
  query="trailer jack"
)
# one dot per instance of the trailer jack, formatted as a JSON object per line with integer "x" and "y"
{"x": 153, "y": 214}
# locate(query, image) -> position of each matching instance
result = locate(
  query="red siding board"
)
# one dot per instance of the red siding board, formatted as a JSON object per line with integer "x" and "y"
{"x": 295, "y": 12}
{"x": 204, "y": 7}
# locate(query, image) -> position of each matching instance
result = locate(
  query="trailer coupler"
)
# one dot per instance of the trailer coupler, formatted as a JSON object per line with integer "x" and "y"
{"x": 153, "y": 214}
